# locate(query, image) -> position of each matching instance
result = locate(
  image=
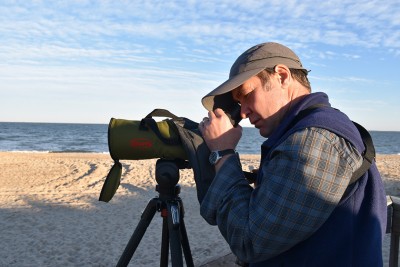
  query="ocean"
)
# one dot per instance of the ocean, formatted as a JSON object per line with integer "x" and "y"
{"x": 89, "y": 138}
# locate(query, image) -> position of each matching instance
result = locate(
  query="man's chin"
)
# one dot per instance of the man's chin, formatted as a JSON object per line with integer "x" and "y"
{"x": 264, "y": 132}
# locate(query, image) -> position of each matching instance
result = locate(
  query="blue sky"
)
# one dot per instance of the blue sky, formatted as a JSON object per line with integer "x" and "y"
{"x": 88, "y": 61}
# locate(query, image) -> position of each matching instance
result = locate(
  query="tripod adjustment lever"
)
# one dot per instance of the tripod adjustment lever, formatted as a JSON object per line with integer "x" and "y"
{"x": 175, "y": 215}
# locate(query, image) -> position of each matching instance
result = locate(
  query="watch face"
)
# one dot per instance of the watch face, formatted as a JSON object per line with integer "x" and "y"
{"x": 213, "y": 157}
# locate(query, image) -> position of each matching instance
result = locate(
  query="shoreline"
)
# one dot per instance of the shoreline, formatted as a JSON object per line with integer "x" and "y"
{"x": 108, "y": 153}
{"x": 51, "y": 216}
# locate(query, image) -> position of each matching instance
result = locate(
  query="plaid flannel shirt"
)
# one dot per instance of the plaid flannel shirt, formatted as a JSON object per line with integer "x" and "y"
{"x": 300, "y": 187}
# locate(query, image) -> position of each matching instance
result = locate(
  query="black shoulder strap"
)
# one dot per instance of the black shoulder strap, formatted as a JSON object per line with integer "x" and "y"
{"x": 369, "y": 152}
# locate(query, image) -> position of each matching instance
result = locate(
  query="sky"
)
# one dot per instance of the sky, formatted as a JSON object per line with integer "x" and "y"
{"x": 88, "y": 61}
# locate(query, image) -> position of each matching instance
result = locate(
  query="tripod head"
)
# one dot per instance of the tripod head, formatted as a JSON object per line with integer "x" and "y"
{"x": 167, "y": 176}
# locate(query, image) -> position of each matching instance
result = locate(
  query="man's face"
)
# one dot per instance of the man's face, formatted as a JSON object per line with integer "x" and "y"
{"x": 262, "y": 105}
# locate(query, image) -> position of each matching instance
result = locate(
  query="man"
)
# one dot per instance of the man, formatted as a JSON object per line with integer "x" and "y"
{"x": 306, "y": 209}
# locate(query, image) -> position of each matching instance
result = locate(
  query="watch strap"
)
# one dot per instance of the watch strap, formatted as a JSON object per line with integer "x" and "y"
{"x": 226, "y": 152}
{"x": 215, "y": 156}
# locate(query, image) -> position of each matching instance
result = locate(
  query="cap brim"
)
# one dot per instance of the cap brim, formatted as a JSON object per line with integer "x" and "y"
{"x": 229, "y": 85}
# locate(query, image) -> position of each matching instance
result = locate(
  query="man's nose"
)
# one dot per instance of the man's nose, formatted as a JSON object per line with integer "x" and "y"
{"x": 244, "y": 111}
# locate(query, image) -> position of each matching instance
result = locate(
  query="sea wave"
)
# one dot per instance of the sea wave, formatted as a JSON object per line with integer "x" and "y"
{"x": 54, "y": 152}
{"x": 26, "y": 151}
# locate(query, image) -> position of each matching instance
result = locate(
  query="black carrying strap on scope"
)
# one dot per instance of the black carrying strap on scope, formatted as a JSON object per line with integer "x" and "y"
{"x": 368, "y": 154}
{"x": 148, "y": 121}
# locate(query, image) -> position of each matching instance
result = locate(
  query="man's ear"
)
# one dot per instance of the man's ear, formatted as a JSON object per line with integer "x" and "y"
{"x": 284, "y": 75}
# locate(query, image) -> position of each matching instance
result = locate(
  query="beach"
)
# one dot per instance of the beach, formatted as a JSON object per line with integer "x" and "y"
{"x": 50, "y": 214}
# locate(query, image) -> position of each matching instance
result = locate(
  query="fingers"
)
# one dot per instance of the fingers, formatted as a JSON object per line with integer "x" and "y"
{"x": 219, "y": 112}
{"x": 205, "y": 120}
{"x": 212, "y": 115}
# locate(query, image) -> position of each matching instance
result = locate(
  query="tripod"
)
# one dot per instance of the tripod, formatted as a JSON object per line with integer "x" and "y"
{"x": 171, "y": 207}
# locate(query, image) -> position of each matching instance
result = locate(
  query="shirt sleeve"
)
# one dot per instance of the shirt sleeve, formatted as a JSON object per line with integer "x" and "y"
{"x": 301, "y": 184}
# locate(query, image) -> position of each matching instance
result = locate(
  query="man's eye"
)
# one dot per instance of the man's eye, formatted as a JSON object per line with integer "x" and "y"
{"x": 242, "y": 96}
{"x": 247, "y": 95}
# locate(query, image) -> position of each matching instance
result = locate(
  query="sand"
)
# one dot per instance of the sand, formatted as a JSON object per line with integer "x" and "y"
{"x": 50, "y": 214}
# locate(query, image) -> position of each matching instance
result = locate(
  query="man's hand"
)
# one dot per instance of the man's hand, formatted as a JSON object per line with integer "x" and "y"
{"x": 218, "y": 132}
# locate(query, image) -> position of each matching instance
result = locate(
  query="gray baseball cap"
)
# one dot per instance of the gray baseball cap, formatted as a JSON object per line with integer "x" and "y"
{"x": 247, "y": 65}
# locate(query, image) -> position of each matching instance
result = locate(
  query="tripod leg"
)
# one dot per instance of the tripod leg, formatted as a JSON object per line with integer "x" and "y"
{"x": 164, "y": 240}
{"x": 174, "y": 234}
{"x": 185, "y": 245}
{"x": 138, "y": 234}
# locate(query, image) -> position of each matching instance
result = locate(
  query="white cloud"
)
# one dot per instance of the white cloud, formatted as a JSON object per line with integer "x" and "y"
{"x": 332, "y": 22}
{"x": 167, "y": 47}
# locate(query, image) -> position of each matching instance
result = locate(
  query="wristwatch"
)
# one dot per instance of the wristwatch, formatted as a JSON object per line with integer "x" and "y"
{"x": 215, "y": 156}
